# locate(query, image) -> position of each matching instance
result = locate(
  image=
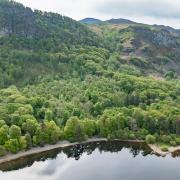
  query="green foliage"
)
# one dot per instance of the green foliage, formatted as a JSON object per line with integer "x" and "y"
{"x": 51, "y": 133}
{"x": 141, "y": 134}
{"x": 29, "y": 142}
{"x": 150, "y": 139}
{"x": 74, "y": 130}
{"x": 23, "y": 143}
{"x": 166, "y": 139}
{"x": 3, "y": 134}
{"x": 173, "y": 143}
{"x": 59, "y": 80}
{"x": 164, "y": 148}
{"x": 12, "y": 145}
{"x": 42, "y": 29}
{"x": 2, "y": 151}
{"x": 132, "y": 136}
{"x": 30, "y": 126}
{"x": 2, "y": 123}
{"x": 177, "y": 141}
{"x": 14, "y": 132}
{"x": 170, "y": 75}
{"x": 90, "y": 127}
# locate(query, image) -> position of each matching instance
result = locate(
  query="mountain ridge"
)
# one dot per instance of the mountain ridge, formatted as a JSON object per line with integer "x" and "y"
{"x": 111, "y": 21}
{"x": 21, "y": 21}
{"x": 61, "y": 46}
{"x": 125, "y": 21}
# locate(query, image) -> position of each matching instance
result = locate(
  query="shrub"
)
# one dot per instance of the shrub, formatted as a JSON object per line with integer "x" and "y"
{"x": 14, "y": 132}
{"x": 132, "y": 136}
{"x": 23, "y": 143}
{"x": 3, "y": 135}
{"x": 12, "y": 145}
{"x": 173, "y": 143}
{"x": 178, "y": 141}
{"x": 142, "y": 133}
{"x": 166, "y": 138}
{"x": 164, "y": 148}
{"x": 125, "y": 135}
{"x": 150, "y": 139}
{"x": 157, "y": 136}
{"x": 34, "y": 139}
{"x": 110, "y": 137}
{"x": 173, "y": 136}
{"x": 2, "y": 151}
{"x": 2, "y": 123}
{"x": 28, "y": 141}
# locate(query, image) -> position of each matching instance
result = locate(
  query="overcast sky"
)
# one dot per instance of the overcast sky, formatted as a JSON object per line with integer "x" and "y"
{"x": 165, "y": 12}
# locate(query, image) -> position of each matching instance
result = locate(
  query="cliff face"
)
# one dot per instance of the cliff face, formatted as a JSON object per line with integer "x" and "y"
{"x": 151, "y": 49}
{"x": 160, "y": 48}
{"x": 160, "y": 37}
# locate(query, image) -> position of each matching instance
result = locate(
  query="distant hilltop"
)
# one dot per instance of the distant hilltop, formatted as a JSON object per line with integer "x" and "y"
{"x": 91, "y": 21}
{"x": 124, "y": 21}
{"x": 111, "y": 21}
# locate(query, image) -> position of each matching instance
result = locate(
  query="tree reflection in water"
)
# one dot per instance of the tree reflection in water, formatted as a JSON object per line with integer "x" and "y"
{"x": 113, "y": 146}
{"x": 78, "y": 150}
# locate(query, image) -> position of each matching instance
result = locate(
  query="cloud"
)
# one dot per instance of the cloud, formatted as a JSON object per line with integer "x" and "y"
{"x": 146, "y": 11}
{"x": 76, "y": 9}
{"x": 149, "y": 8}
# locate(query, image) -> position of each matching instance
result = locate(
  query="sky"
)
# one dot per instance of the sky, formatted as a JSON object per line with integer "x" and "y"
{"x": 165, "y": 12}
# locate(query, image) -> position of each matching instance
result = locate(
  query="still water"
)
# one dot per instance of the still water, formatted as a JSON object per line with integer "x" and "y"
{"x": 95, "y": 161}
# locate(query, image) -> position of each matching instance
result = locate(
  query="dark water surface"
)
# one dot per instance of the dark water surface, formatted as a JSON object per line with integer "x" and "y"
{"x": 95, "y": 161}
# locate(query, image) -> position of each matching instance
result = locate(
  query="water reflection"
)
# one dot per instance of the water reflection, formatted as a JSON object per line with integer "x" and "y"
{"x": 104, "y": 160}
{"x": 113, "y": 146}
{"x": 76, "y": 152}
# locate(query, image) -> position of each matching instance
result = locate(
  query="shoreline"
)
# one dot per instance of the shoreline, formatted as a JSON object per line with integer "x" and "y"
{"x": 62, "y": 144}
{"x": 157, "y": 150}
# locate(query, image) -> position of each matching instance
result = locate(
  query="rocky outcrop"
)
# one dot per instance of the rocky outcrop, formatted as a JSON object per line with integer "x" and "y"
{"x": 164, "y": 38}
{"x": 160, "y": 37}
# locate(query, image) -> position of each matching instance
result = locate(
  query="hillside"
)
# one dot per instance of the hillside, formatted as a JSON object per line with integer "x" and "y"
{"x": 20, "y": 21}
{"x": 151, "y": 49}
{"x": 120, "y": 21}
{"x": 35, "y": 43}
{"x": 62, "y": 80}
{"x": 50, "y": 44}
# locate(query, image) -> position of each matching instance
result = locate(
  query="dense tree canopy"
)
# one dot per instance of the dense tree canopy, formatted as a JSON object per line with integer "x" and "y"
{"x": 60, "y": 81}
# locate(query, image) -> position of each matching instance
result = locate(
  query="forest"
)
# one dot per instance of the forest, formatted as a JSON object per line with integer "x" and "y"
{"x": 60, "y": 80}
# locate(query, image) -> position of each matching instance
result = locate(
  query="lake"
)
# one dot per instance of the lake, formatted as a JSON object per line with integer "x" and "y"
{"x": 95, "y": 161}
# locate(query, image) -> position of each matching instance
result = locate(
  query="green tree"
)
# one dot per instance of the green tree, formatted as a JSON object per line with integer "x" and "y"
{"x": 2, "y": 151}
{"x": 12, "y": 145}
{"x": 74, "y": 130}
{"x": 23, "y": 143}
{"x": 30, "y": 126}
{"x": 16, "y": 119}
{"x": 90, "y": 127}
{"x": 3, "y": 134}
{"x": 51, "y": 132}
{"x": 2, "y": 123}
{"x": 150, "y": 139}
{"x": 14, "y": 132}
{"x": 28, "y": 141}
